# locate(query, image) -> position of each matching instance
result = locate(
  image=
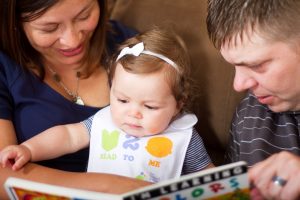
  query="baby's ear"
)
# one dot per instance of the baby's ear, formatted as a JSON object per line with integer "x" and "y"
{"x": 179, "y": 108}
{"x": 180, "y": 105}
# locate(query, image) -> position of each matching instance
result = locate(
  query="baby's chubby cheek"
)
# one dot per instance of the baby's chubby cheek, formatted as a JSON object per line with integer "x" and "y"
{"x": 153, "y": 130}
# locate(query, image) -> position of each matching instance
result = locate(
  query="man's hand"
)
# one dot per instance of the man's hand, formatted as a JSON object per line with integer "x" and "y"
{"x": 277, "y": 177}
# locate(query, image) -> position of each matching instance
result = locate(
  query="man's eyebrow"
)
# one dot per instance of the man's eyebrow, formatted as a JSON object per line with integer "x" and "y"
{"x": 259, "y": 62}
{"x": 241, "y": 64}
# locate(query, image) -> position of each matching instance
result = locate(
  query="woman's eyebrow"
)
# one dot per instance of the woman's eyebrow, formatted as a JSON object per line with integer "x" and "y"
{"x": 45, "y": 23}
{"x": 85, "y": 8}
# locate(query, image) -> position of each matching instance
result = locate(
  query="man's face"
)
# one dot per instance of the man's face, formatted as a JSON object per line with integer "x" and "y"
{"x": 269, "y": 69}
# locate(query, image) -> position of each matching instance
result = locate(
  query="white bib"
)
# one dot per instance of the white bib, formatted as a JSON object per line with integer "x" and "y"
{"x": 151, "y": 158}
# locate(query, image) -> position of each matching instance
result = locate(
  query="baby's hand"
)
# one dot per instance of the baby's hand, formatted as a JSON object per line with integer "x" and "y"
{"x": 15, "y": 156}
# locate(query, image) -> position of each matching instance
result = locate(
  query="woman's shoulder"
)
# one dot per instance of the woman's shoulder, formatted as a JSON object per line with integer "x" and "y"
{"x": 118, "y": 33}
{"x": 8, "y": 67}
{"x": 5, "y": 59}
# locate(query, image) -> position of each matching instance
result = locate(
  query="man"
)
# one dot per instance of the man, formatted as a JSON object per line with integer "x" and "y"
{"x": 261, "y": 38}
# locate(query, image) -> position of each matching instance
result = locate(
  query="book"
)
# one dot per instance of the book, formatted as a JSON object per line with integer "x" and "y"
{"x": 224, "y": 182}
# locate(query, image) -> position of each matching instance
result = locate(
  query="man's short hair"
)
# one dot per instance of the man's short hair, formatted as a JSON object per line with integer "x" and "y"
{"x": 273, "y": 19}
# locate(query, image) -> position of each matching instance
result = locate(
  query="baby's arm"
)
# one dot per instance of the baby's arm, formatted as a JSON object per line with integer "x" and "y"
{"x": 51, "y": 143}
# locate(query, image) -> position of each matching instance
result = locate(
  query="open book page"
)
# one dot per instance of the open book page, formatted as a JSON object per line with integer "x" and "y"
{"x": 20, "y": 189}
{"x": 224, "y": 182}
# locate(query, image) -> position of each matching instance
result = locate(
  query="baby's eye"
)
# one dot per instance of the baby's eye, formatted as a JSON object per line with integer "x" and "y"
{"x": 151, "y": 107}
{"x": 122, "y": 100}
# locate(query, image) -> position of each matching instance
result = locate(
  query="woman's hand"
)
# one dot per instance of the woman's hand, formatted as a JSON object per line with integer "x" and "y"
{"x": 277, "y": 177}
{"x": 15, "y": 156}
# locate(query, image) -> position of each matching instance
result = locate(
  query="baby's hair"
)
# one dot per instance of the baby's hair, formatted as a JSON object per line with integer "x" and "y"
{"x": 167, "y": 43}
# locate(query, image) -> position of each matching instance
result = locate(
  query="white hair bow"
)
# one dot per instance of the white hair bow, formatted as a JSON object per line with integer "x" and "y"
{"x": 137, "y": 49}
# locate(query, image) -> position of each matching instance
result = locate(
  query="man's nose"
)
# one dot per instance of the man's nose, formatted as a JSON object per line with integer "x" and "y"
{"x": 243, "y": 80}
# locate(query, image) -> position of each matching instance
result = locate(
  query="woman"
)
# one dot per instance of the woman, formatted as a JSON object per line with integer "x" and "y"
{"x": 52, "y": 54}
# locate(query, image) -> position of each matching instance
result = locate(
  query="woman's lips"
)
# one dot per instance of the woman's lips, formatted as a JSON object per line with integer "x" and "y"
{"x": 265, "y": 99}
{"x": 71, "y": 52}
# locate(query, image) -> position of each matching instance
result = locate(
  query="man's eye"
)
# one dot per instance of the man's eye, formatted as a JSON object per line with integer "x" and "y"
{"x": 255, "y": 66}
{"x": 122, "y": 100}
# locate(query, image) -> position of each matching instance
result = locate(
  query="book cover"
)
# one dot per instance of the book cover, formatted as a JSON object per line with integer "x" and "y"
{"x": 223, "y": 182}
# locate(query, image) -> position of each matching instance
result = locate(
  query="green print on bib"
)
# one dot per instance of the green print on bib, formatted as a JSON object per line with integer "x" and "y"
{"x": 141, "y": 176}
{"x": 110, "y": 139}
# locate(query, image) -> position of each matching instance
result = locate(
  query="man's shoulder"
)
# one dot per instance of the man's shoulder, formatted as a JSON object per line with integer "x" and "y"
{"x": 250, "y": 107}
{"x": 251, "y": 104}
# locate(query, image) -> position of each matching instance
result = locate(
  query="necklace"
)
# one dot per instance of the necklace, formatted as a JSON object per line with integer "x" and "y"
{"x": 74, "y": 95}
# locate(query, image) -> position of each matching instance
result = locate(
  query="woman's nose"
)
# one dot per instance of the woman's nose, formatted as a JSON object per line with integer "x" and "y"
{"x": 71, "y": 38}
{"x": 243, "y": 80}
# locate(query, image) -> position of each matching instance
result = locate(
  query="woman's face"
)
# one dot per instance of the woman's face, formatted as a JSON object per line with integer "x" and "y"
{"x": 62, "y": 34}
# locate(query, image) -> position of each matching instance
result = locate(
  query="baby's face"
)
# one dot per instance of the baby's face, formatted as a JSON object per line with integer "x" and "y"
{"x": 141, "y": 104}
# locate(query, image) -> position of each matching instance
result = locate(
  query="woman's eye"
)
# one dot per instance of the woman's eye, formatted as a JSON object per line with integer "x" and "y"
{"x": 122, "y": 100}
{"x": 50, "y": 29}
{"x": 84, "y": 17}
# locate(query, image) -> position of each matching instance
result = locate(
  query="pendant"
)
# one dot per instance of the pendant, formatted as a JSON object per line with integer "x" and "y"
{"x": 78, "y": 101}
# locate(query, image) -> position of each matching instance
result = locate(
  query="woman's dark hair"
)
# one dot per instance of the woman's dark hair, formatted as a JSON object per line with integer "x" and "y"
{"x": 15, "y": 44}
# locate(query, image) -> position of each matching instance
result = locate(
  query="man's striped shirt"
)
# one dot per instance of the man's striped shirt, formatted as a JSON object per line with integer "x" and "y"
{"x": 257, "y": 132}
